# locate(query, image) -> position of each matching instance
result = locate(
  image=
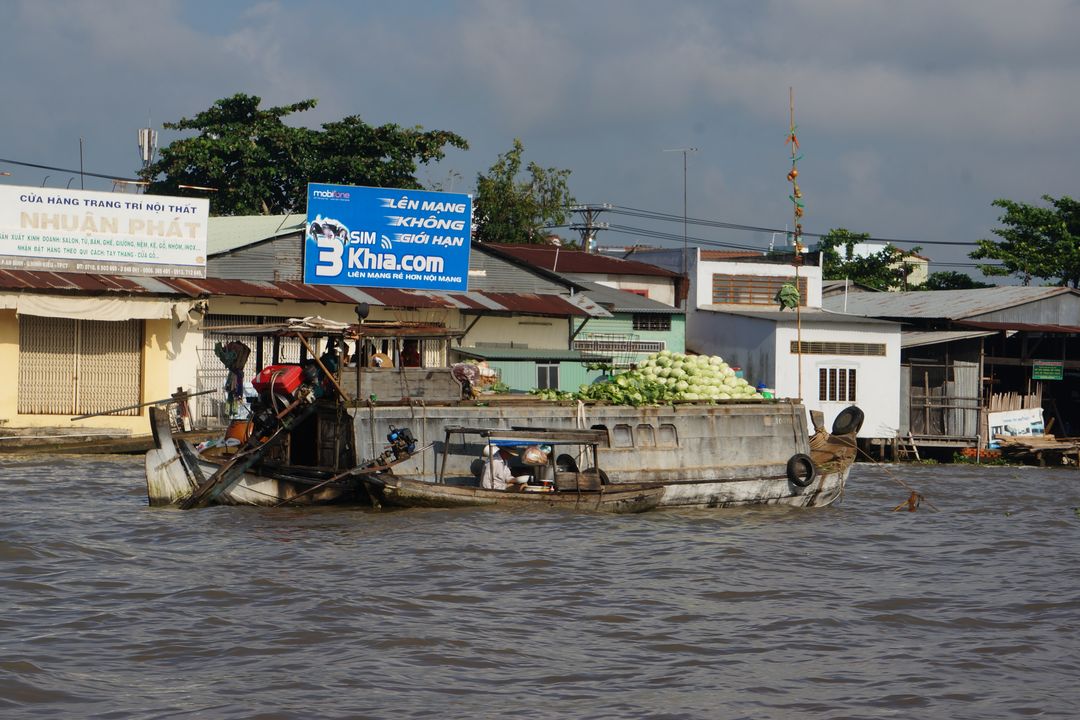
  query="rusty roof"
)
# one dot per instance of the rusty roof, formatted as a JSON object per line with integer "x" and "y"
{"x": 557, "y": 259}
{"x": 471, "y": 301}
{"x": 730, "y": 254}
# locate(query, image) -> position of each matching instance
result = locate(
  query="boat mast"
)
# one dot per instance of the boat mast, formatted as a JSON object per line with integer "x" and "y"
{"x": 796, "y": 236}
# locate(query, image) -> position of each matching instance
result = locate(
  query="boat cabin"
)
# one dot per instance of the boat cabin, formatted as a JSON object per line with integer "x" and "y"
{"x": 562, "y": 460}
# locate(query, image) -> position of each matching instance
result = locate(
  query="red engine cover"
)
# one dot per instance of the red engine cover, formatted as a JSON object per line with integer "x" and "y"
{"x": 285, "y": 378}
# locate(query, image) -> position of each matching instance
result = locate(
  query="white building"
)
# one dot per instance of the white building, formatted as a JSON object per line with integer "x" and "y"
{"x": 829, "y": 359}
{"x": 915, "y": 267}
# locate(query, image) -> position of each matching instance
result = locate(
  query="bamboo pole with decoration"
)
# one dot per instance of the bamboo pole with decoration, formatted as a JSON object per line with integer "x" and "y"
{"x": 796, "y": 235}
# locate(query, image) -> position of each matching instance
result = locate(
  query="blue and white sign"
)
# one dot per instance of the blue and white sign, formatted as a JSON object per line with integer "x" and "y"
{"x": 382, "y": 237}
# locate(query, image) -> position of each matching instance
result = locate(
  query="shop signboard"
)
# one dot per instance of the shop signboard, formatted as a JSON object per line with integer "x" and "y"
{"x": 389, "y": 238}
{"x": 85, "y": 231}
{"x": 1047, "y": 370}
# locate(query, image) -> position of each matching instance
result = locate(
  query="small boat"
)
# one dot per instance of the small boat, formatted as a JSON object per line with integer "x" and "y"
{"x": 403, "y": 492}
{"x": 554, "y": 479}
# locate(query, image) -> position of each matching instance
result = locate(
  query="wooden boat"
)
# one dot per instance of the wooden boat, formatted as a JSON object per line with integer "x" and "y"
{"x": 308, "y": 444}
{"x": 403, "y": 492}
{"x": 551, "y": 484}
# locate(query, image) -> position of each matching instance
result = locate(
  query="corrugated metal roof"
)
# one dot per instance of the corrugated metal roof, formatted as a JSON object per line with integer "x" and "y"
{"x": 940, "y": 304}
{"x": 817, "y": 315}
{"x": 622, "y": 301}
{"x": 34, "y": 280}
{"x": 919, "y": 338}
{"x": 541, "y": 354}
{"x": 838, "y": 287}
{"x": 224, "y": 234}
{"x": 525, "y": 303}
{"x": 561, "y": 260}
{"x": 1025, "y": 327}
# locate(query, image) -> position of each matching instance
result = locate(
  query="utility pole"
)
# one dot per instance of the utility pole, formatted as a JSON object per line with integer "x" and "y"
{"x": 685, "y": 250}
{"x": 588, "y": 228}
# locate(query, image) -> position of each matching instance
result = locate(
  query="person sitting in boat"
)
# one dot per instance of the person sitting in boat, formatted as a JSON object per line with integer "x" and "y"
{"x": 410, "y": 354}
{"x": 497, "y": 474}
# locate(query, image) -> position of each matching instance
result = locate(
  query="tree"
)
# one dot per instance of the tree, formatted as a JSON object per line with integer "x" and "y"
{"x": 510, "y": 210}
{"x": 951, "y": 280}
{"x": 257, "y": 164}
{"x": 1036, "y": 242}
{"x": 884, "y": 270}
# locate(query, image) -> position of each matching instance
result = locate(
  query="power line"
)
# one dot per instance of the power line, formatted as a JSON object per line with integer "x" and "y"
{"x": 672, "y": 236}
{"x": 702, "y": 242}
{"x": 668, "y": 217}
{"x": 66, "y": 170}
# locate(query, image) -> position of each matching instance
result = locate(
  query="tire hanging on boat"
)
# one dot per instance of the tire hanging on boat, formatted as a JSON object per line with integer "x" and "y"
{"x": 800, "y": 470}
{"x": 849, "y": 420}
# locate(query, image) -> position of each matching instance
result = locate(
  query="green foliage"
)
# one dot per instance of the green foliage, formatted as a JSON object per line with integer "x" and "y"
{"x": 951, "y": 280}
{"x": 970, "y": 459}
{"x": 511, "y": 210}
{"x": 1036, "y": 242}
{"x": 257, "y": 164}
{"x": 884, "y": 270}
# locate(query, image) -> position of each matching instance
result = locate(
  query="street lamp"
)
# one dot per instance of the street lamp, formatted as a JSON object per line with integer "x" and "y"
{"x": 685, "y": 251}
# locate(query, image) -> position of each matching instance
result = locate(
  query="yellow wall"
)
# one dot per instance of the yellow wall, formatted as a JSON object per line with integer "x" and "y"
{"x": 155, "y": 382}
{"x": 537, "y": 332}
{"x": 9, "y": 358}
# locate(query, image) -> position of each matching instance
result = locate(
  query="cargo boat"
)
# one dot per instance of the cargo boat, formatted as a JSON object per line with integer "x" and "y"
{"x": 334, "y": 432}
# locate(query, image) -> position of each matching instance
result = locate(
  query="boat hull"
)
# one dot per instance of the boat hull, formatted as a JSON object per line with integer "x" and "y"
{"x": 825, "y": 490}
{"x": 705, "y": 455}
{"x": 402, "y": 492}
{"x": 174, "y": 470}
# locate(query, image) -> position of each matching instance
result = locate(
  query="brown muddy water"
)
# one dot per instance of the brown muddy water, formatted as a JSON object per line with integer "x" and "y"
{"x": 111, "y": 609}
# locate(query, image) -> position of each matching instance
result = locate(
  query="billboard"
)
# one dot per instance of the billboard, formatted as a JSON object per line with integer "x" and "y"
{"x": 1014, "y": 423}
{"x": 383, "y": 237}
{"x": 84, "y": 231}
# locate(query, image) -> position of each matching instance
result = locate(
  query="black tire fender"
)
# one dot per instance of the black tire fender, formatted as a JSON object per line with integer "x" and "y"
{"x": 849, "y": 420}
{"x": 800, "y": 470}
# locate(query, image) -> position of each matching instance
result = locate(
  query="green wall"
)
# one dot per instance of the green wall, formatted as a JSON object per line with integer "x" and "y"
{"x": 623, "y": 324}
{"x": 520, "y": 375}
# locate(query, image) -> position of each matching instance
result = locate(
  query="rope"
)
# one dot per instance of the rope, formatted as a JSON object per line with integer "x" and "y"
{"x": 914, "y": 499}
{"x": 581, "y": 422}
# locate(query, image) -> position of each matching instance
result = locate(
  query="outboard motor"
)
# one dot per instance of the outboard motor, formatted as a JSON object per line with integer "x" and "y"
{"x": 401, "y": 441}
{"x": 402, "y": 445}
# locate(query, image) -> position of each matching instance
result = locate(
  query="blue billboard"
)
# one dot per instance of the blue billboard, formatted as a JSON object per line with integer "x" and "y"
{"x": 384, "y": 237}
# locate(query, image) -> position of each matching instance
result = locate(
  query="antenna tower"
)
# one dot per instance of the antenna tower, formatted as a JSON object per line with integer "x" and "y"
{"x": 147, "y": 146}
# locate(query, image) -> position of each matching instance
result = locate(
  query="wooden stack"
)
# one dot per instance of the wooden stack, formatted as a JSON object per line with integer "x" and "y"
{"x": 1000, "y": 402}
{"x": 1042, "y": 450}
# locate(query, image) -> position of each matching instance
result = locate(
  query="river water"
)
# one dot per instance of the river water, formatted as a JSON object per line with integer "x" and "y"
{"x": 111, "y": 609}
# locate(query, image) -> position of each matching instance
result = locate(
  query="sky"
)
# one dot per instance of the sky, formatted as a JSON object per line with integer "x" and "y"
{"x": 912, "y": 117}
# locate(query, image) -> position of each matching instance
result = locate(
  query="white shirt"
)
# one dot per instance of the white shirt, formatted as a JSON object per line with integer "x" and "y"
{"x": 497, "y": 474}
